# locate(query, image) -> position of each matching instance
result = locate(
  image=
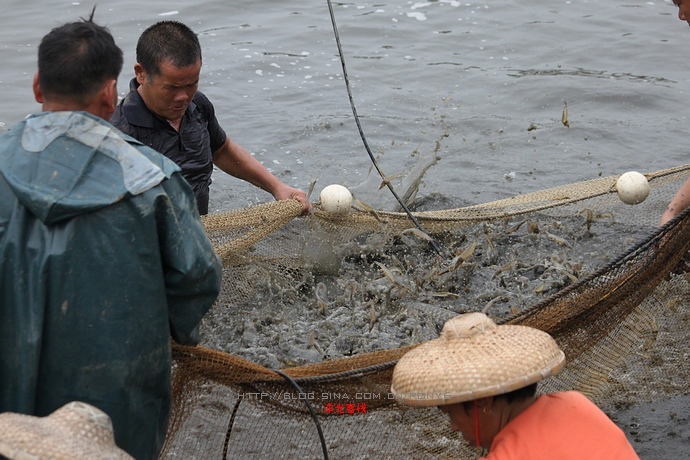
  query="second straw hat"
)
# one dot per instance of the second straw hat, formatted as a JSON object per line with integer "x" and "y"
{"x": 75, "y": 431}
{"x": 474, "y": 358}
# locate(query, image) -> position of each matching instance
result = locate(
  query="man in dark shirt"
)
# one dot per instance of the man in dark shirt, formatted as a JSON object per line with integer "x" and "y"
{"x": 165, "y": 111}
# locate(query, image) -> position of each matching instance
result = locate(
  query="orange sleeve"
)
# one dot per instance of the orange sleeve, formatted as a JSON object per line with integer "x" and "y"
{"x": 567, "y": 426}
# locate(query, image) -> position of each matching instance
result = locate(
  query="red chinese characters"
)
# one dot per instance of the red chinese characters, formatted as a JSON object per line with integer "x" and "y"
{"x": 343, "y": 409}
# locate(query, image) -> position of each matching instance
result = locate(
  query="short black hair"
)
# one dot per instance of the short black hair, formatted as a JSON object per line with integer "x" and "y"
{"x": 75, "y": 59}
{"x": 167, "y": 40}
{"x": 520, "y": 394}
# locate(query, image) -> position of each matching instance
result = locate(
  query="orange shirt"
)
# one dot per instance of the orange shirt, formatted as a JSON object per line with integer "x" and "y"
{"x": 563, "y": 426}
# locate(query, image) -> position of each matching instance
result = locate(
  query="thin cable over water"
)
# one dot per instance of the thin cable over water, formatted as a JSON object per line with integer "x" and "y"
{"x": 361, "y": 133}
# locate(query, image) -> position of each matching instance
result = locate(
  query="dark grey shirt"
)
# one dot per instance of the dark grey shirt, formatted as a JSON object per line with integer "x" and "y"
{"x": 191, "y": 148}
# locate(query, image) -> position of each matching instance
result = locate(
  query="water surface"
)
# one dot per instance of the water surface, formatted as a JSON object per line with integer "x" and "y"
{"x": 480, "y": 73}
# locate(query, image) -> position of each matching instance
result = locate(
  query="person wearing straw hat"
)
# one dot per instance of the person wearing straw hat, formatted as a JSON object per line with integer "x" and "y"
{"x": 485, "y": 378}
{"x": 76, "y": 431}
{"x": 103, "y": 255}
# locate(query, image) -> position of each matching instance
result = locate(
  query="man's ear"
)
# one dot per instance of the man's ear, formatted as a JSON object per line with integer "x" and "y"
{"x": 38, "y": 94}
{"x": 108, "y": 98}
{"x": 140, "y": 73}
{"x": 486, "y": 404}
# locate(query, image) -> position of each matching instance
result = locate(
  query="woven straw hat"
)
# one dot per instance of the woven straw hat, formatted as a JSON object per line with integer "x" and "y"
{"x": 473, "y": 358}
{"x": 75, "y": 431}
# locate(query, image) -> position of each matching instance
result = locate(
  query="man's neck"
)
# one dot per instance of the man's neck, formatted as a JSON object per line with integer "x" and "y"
{"x": 55, "y": 106}
{"x": 176, "y": 124}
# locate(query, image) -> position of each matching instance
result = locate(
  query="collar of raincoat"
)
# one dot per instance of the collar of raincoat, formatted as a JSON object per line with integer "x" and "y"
{"x": 69, "y": 163}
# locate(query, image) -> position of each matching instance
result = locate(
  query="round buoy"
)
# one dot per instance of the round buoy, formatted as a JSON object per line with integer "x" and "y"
{"x": 336, "y": 199}
{"x": 632, "y": 187}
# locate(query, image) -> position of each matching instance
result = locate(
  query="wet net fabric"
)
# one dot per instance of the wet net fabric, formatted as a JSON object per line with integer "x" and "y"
{"x": 574, "y": 261}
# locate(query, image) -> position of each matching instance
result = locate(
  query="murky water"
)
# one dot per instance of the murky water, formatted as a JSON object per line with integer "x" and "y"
{"x": 480, "y": 72}
{"x": 489, "y": 80}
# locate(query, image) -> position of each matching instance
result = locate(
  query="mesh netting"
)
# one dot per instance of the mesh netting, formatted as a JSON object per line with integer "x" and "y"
{"x": 333, "y": 301}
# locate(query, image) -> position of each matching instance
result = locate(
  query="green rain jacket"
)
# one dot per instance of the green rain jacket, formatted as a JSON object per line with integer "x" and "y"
{"x": 103, "y": 257}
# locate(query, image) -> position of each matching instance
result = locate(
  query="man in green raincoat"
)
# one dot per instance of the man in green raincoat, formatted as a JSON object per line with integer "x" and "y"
{"x": 103, "y": 256}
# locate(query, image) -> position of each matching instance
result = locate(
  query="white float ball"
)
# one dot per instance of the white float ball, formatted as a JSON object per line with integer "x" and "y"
{"x": 632, "y": 187}
{"x": 336, "y": 199}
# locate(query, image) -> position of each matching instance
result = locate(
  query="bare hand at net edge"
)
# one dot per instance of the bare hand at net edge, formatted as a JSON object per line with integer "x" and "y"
{"x": 285, "y": 192}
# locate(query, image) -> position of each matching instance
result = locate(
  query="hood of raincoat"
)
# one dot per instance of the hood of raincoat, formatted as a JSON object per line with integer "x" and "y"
{"x": 63, "y": 164}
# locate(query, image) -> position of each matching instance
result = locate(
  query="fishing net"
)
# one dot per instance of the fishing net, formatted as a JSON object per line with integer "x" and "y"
{"x": 314, "y": 312}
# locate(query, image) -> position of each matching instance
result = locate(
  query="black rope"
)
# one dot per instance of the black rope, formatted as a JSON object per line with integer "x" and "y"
{"x": 354, "y": 373}
{"x": 311, "y": 411}
{"x": 230, "y": 425}
{"x": 361, "y": 134}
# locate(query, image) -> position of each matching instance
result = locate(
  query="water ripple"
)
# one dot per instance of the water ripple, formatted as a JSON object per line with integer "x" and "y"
{"x": 580, "y": 72}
